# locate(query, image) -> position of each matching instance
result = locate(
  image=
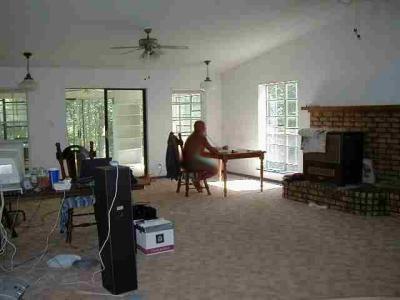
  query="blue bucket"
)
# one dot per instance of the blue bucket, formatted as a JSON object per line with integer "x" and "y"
{"x": 54, "y": 175}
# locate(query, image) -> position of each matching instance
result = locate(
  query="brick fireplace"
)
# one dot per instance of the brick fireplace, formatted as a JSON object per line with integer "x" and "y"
{"x": 381, "y": 128}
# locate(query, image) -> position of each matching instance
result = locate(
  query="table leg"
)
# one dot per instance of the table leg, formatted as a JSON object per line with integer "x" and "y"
{"x": 9, "y": 222}
{"x": 220, "y": 170}
{"x": 261, "y": 172}
{"x": 225, "y": 177}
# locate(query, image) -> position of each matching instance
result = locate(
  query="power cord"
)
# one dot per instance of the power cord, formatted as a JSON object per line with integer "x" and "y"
{"x": 4, "y": 242}
{"x": 16, "y": 213}
{"x": 109, "y": 228}
{"x": 48, "y": 236}
{"x": 4, "y": 236}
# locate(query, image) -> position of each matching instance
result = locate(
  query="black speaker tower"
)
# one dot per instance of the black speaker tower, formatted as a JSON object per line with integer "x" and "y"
{"x": 118, "y": 254}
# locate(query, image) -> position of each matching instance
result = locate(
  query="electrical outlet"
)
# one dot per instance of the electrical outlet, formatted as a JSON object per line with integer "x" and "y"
{"x": 160, "y": 168}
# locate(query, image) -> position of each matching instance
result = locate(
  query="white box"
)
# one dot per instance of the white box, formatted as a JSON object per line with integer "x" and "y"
{"x": 154, "y": 236}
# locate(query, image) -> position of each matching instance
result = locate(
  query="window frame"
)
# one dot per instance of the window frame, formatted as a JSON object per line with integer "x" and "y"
{"x": 10, "y": 94}
{"x": 191, "y": 118}
{"x": 287, "y": 131}
{"x": 108, "y": 119}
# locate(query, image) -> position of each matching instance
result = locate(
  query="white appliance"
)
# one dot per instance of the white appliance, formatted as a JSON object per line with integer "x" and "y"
{"x": 12, "y": 167}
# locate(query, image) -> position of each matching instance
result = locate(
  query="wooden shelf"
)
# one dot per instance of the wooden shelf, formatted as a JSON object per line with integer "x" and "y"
{"x": 314, "y": 108}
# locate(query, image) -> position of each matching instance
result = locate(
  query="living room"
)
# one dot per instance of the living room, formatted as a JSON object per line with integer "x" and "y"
{"x": 274, "y": 68}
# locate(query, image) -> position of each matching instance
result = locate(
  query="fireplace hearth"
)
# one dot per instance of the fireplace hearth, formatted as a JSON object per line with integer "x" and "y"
{"x": 380, "y": 126}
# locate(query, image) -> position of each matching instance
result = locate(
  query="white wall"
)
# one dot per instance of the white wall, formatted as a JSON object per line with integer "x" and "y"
{"x": 47, "y": 104}
{"x": 332, "y": 67}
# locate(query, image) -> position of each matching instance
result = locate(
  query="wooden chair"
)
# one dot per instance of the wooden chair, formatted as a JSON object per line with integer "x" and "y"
{"x": 70, "y": 163}
{"x": 70, "y": 159}
{"x": 186, "y": 174}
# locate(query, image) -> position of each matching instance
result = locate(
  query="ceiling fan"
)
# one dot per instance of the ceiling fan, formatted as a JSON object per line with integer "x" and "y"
{"x": 150, "y": 46}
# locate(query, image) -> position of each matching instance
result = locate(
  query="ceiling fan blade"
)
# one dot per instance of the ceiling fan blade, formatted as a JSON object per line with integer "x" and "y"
{"x": 173, "y": 47}
{"x": 126, "y": 47}
{"x": 130, "y": 51}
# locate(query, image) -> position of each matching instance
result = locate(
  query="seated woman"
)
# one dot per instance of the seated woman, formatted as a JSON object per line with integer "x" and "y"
{"x": 192, "y": 159}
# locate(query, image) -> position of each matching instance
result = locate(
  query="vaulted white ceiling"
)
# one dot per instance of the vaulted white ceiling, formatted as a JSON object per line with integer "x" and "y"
{"x": 78, "y": 33}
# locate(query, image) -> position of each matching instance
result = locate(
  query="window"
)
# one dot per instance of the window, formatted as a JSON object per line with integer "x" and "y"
{"x": 114, "y": 119}
{"x": 282, "y": 140}
{"x": 186, "y": 110}
{"x": 14, "y": 118}
{"x": 85, "y": 118}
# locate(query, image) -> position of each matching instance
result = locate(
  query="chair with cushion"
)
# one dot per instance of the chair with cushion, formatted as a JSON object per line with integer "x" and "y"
{"x": 70, "y": 160}
{"x": 186, "y": 174}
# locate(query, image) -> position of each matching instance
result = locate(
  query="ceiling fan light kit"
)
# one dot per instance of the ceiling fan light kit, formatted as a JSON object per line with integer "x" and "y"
{"x": 207, "y": 83}
{"x": 28, "y": 84}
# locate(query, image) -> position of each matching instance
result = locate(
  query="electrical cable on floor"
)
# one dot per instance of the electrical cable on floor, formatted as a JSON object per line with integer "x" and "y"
{"x": 16, "y": 212}
{"x": 28, "y": 222}
{"x": 4, "y": 237}
{"x": 2, "y": 250}
{"x": 4, "y": 242}
{"x": 16, "y": 265}
{"x": 93, "y": 281}
{"x": 27, "y": 260}
{"x": 109, "y": 228}
{"x": 2, "y": 203}
{"x": 48, "y": 236}
{"x": 6, "y": 296}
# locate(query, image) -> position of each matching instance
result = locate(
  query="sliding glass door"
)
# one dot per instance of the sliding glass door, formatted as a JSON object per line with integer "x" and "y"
{"x": 114, "y": 119}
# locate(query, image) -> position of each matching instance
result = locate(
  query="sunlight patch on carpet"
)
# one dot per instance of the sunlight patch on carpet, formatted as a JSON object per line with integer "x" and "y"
{"x": 244, "y": 185}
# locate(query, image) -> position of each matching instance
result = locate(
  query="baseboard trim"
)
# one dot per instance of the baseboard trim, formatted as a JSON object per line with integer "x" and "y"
{"x": 255, "y": 177}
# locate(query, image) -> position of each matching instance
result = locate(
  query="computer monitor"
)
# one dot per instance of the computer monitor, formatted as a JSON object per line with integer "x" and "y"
{"x": 88, "y": 167}
{"x": 12, "y": 167}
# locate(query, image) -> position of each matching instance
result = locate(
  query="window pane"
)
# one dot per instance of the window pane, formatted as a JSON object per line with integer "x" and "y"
{"x": 196, "y": 98}
{"x": 292, "y": 90}
{"x": 291, "y": 168}
{"x": 13, "y": 119}
{"x": 196, "y": 107}
{"x": 17, "y": 133}
{"x": 281, "y": 108}
{"x": 291, "y": 108}
{"x": 175, "y": 111}
{"x": 281, "y": 91}
{"x": 276, "y": 108}
{"x": 281, "y": 121}
{"x": 272, "y": 108}
{"x": 291, "y": 122}
{"x": 271, "y": 92}
{"x": 85, "y": 119}
{"x": 196, "y": 115}
{"x": 292, "y": 140}
{"x": 280, "y": 139}
{"x": 292, "y": 155}
{"x": 186, "y": 109}
{"x": 282, "y": 127}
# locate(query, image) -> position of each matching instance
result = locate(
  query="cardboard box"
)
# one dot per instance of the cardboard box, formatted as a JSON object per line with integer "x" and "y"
{"x": 154, "y": 236}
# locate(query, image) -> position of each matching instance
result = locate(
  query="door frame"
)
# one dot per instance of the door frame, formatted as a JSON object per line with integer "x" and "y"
{"x": 145, "y": 139}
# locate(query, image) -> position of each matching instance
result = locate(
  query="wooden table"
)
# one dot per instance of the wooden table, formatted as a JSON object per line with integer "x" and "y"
{"x": 225, "y": 155}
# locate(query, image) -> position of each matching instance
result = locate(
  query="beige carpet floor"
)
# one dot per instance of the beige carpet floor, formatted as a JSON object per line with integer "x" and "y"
{"x": 250, "y": 245}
